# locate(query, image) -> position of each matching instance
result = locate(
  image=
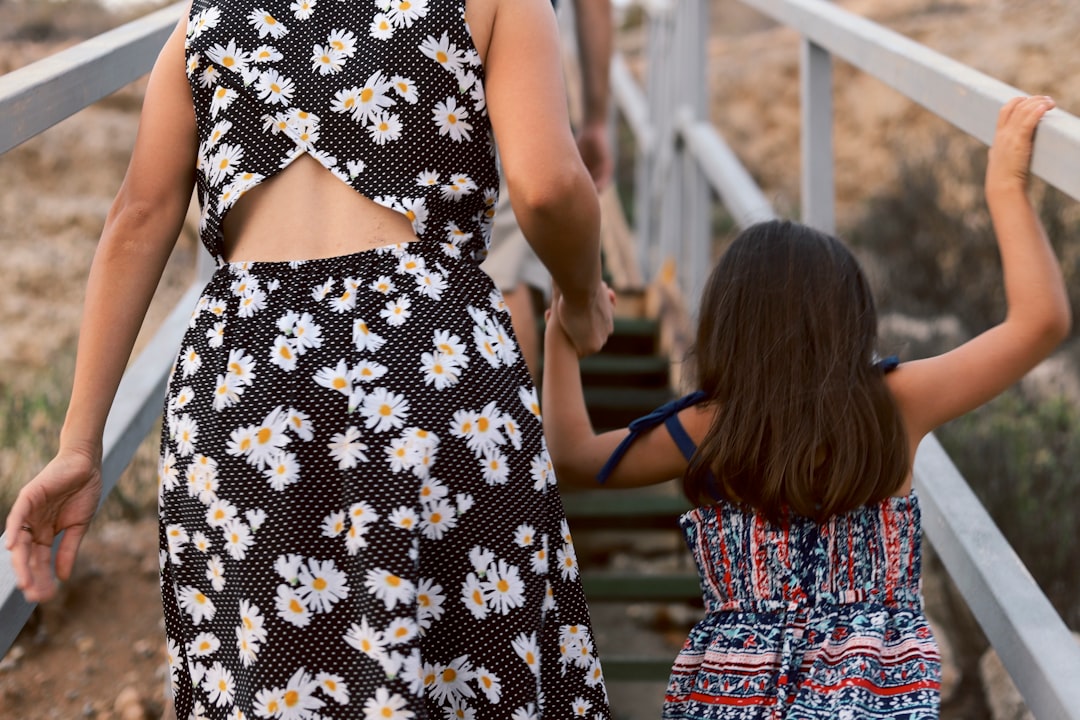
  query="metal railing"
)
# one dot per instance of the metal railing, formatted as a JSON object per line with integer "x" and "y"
{"x": 679, "y": 152}
{"x": 33, "y": 99}
{"x": 680, "y": 159}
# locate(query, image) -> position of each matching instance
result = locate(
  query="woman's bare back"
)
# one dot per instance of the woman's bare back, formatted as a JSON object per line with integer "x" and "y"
{"x": 305, "y": 212}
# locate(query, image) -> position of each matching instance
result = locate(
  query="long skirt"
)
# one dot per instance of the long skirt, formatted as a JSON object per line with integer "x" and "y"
{"x": 359, "y": 517}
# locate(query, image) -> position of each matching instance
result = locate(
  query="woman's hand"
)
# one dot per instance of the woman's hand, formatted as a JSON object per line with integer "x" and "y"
{"x": 1009, "y": 160}
{"x": 587, "y": 324}
{"x": 61, "y": 498}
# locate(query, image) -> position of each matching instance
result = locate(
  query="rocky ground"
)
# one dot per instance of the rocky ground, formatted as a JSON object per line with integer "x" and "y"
{"x": 96, "y": 651}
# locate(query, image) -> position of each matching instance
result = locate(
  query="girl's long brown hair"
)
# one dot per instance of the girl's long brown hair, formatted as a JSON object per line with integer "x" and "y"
{"x": 785, "y": 351}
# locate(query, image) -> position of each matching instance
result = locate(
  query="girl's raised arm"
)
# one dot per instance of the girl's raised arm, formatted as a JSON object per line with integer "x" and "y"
{"x": 932, "y": 391}
{"x": 577, "y": 452}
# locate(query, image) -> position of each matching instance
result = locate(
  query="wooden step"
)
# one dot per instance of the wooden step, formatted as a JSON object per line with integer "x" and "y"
{"x": 634, "y": 371}
{"x": 615, "y": 407}
{"x": 622, "y": 587}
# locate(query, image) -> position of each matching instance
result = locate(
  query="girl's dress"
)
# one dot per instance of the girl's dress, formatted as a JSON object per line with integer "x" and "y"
{"x": 804, "y": 621}
{"x": 359, "y": 517}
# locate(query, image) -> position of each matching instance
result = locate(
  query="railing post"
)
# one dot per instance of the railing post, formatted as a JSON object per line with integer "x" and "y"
{"x": 816, "y": 138}
{"x": 694, "y": 196}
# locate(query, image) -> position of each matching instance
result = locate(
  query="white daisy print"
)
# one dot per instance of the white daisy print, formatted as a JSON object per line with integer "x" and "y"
{"x": 489, "y": 684}
{"x": 177, "y": 538}
{"x": 567, "y": 559}
{"x": 367, "y": 639}
{"x": 300, "y": 424}
{"x": 450, "y": 120}
{"x": 406, "y": 88}
{"x": 321, "y": 585}
{"x": 283, "y": 469}
{"x": 299, "y": 699}
{"x": 326, "y": 59}
{"x": 504, "y": 588}
{"x": 390, "y": 588}
{"x": 526, "y": 648}
{"x": 451, "y": 681}
{"x": 364, "y": 338}
{"x": 386, "y": 706}
{"x": 404, "y": 518}
{"x": 443, "y": 52}
{"x": 220, "y": 512}
{"x": 185, "y": 435}
{"x": 481, "y": 559}
{"x": 204, "y": 644}
{"x": 334, "y": 686}
{"x": 333, "y": 524}
{"x": 191, "y": 362}
{"x": 381, "y": 28}
{"x": 347, "y": 449}
{"x": 231, "y": 56}
{"x": 274, "y": 88}
{"x": 403, "y": 13}
{"x": 438, "y": 371}
{"x": 269, "y": 703}
{"x": 384, "y": 410}
{"x": 361, "y": 513}
{"x": 525, "y": 535}
{"x": 252, "y": 623}
{"x": 266, "y": 53}
{"x": 344, "y": 41}
{"x": 539, "y": 559}
{"x": 215, "y": 573}
{"x": 291, "y": 607}
{"x": 219, "y": 685}
{"x": 205, "y": 20}
{"x": 266, "y": 24}
{"x": 237, "y": 538}
{"x": 302, "y": 9}
{"x": 429, "y": 602}
{"x": 336, "y": 378}
{"x": 397, "y": 311}
{"x": 385, "y": 127}
{"x": 215, "y": 336}
{"x": 401, "y": 630}
{"x": 493, "y": 465}
{"x": 437, "y": 519}
{"x": 196, "y": 604}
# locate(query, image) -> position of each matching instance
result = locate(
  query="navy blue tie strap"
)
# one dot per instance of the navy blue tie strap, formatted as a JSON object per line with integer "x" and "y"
{"x": 646, "y": 422}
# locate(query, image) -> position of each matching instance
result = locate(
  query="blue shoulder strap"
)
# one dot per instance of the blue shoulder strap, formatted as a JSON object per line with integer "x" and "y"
{"x": 667, "y": 414}
{"x": 887, "y": 364}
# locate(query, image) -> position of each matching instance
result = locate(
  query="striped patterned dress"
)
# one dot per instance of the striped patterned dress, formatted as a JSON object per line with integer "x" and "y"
{"x": 808, "y": 620}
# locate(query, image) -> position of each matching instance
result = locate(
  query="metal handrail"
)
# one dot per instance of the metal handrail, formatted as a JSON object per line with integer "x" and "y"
{"x": 1033, "y": 642}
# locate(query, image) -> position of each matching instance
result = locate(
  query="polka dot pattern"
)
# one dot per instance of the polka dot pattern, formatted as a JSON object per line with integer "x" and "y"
{"x": 358, "y": 512}
{"x": 359, "y": 517}
{"x": 388, "y": 96}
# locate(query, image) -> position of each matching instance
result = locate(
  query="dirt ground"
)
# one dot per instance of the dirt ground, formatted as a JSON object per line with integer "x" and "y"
{"x": 97, "y": 650}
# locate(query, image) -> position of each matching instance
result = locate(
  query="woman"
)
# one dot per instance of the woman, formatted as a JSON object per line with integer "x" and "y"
{"x": 358, "y": 513}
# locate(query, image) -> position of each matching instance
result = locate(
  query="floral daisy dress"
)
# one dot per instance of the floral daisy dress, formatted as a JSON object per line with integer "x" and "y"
{"x": 359, "y": 517}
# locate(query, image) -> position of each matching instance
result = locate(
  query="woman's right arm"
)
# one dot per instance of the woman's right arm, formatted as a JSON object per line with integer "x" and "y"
{"x": 140, "y": 231}
{"x": 552, "y": 193}
{"x": 933, "y": 391}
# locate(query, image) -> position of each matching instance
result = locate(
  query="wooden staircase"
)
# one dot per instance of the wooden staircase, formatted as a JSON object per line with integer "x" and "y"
{"x": 612, "y": 529}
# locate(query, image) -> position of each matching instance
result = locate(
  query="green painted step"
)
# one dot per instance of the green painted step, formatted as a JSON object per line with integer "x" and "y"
{"x": 636, "y": 669}
{"x": 619, "y": 509}
{"x": 611, "y": 587}
{"x": 614, "y": 407}
{"x": 634, "y": 371}
{"x": 634, "y": 336}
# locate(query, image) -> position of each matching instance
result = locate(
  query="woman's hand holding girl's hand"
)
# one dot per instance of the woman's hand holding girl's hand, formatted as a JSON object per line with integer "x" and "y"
{"x": 61, "y": 498}
{"x": 588, "y": 324}
{"x": 1010, "y": 154}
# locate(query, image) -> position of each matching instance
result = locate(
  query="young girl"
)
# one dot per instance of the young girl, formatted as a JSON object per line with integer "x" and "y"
{"x": 797, "y": 449}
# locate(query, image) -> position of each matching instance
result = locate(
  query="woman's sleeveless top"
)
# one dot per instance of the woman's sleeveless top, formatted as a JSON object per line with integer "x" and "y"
{"x": 386, "y": 95}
